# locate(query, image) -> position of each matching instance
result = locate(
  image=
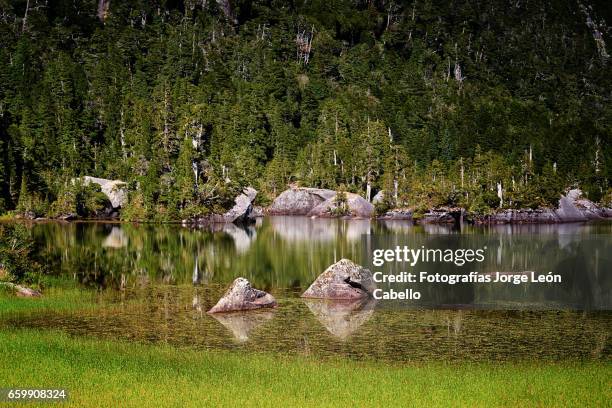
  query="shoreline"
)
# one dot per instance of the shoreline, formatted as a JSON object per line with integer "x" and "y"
{"x": 428, "y": 218}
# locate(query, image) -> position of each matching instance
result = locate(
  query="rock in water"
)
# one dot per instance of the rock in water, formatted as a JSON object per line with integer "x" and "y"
{"x": 357, "y": 206}
{"x": 299, "y": 201}
{"x": 241, "y": 211}
{"x": 115, "y": 190}
{"x": 574, "y": 207}
{"x": 342, "y": 280}
{"x": 242, "y": 296}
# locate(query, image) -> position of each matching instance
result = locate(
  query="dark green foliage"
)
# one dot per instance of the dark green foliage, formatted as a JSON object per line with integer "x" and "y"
{"x": 340, "y": 207}
{"x": 77, "y": 199}
{"x": 16, "y": 254}
{"x": 188, "y": 105}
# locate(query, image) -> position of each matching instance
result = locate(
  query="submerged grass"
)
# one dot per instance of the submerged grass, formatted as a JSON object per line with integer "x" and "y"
{"x": 112, "y": 373}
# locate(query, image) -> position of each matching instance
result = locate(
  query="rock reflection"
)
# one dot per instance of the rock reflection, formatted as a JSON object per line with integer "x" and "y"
{"x": 241, "y": 324}
{"x": 399, "y": 226}
{"x": 116, "y": 239}
{"x": 342, "y": 317}
{"x": 441, "y": 229}
{"x": 294, "y": 229}
{"x": 243, "y": 236}
{"x": 356, "y": 228}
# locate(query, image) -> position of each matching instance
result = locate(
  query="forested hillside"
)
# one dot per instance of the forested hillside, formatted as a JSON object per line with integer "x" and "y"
{"x": 436, "y": 102}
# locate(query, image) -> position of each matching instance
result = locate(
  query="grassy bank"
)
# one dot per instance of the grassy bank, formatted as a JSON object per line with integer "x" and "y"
{"x": 59, "y": 297}
{"x": 106, "y": 373}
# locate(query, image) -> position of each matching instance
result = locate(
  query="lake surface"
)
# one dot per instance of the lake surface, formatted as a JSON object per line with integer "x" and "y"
{"x": 154, "y": 284}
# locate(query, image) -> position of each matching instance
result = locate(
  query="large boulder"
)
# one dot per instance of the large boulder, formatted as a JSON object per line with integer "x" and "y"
{"x": 242, "y": 296}
{"x": 299, "y": 200}
{"x": 379, "y": 197}
{"x": 357, "y": 207}
{"x": 243, "y": 206}
{"x": 342, "y": 280}
{"x": 115, "y": 190}
{"x": 520, "y": 216}
{"x": 574, "y": 207}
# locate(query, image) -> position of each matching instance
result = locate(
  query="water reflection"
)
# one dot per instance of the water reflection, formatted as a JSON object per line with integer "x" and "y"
{"x": 341, "y": 318}
{"x": 177, "y": 315}
{"x": 290, "y": 252}
{"x": 302, "y": 229}
{"x": 241, "y": 324}
{"x": 116, "y": 239}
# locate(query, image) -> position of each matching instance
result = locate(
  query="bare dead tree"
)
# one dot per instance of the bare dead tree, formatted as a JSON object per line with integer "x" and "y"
{"x": 103, "y": 7}
{"x": 25, "y": 16}
{"x": 596, "y": 29}
{"x": 303, "y": 41}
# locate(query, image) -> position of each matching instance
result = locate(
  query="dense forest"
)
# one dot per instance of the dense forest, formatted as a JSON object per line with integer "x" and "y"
{"x": 436, "y": 102}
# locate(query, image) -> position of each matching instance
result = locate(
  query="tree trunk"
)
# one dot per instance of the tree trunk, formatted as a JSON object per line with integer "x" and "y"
{"x": 103, "y": 6}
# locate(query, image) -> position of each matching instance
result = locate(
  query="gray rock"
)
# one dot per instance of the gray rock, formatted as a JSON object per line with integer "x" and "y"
{"x": 22, "y": 291}
{"x": 397, "y": 214}
{"x": 342, "y": 280}
{"x": 241, "y": 211}
{"x": 258, "y": 211}
{"x": 357, "y": 207}
{"x": 379, "y": 197}
{"x": 572, "y": 207}
{"x": 115, "y": 190}
{"x": 242, "y": 296}
{"x": 443, "y": 216}
{"x": 299, "y": 200}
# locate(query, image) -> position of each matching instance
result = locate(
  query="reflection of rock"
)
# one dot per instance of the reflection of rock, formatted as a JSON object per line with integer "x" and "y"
{"x": 356, "y": 228}
{"x": 357, "y": 206}
{"x": 242, "y": 296}
{"x": 243, "y": 237}
{"x": 116, "y": 239}
{"x": 299, "y": 201}
{"x": 115, "y": 190}
{"x": 342, "y": 317}
{"x": 241, "y": 324}
{"x": 396, "y": 225}
{"x": 437, "y": 229}
{"x": 304, "y": 229}
{"x": 342, "y": 280}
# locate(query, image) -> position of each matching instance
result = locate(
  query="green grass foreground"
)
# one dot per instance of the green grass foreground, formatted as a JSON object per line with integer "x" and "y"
{"x": 54, "y": 299}
{"x": 110, "y": 373}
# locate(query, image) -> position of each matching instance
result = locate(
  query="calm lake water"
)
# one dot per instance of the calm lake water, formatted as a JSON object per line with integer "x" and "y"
{"x": 155, "y": 283}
